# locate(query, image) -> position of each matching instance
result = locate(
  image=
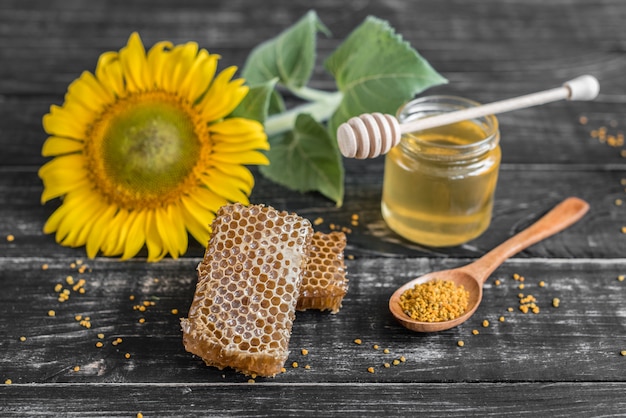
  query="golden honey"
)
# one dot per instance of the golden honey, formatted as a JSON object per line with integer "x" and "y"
{"x": 439, "y": 183}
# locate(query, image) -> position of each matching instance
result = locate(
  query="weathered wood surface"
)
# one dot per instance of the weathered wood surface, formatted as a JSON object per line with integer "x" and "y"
{"x": 561, "y": 362}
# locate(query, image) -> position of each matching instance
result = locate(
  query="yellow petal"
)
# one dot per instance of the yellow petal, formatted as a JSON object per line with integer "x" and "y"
{"x": 136, "y": 237}
{"x": 79, "y": 210}
{"x": 56, "y": 145}
{"x": 53, "y": 189}
{"x": 99, "y": 231}
{"x": 228, "y": 187}
{"x": 156, "y": 250}
{"x": 218, "y": 95}
{"x": 81, "y": 221}
{"x": 52, "y": 223}
{"x": 183, "y": 56}
{"x": 238, "y": 171}
{"x": 199, "y": 76}
{"x": 236, "y": 128}
{"x": 89, "y": 93}
{"x": 171, "y": 230}
{"x": 242, "y": 138}
{"x": 109, "y": 72}
{"x": 197, "y": 220}
{"x": 134, "y": 64}
{"x": 231, "y": 97}
{"x": 221, "y": 176}
{"x": 61, "y": 122}
{"x": 207, "y": 199}
{"x": 255, "y": 144}
{"x": 179, "y": 232}
{"x": 113, "y": 242}
{"x": 162, "y": 225}
{"x": 246, "y": 158}
{"x": 156, "y": 57}
{"x": 62, "y": 175}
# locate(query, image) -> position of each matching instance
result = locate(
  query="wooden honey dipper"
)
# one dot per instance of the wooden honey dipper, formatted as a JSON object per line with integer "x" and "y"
{"x": 371, "y": 135}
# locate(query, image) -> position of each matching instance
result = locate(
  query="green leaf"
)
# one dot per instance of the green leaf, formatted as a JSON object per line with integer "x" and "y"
{"x": 306, "y": 159}
{"x": 377, "y": 71}
{"x": 290, "y": 56}
{"x": 256, "y": 104}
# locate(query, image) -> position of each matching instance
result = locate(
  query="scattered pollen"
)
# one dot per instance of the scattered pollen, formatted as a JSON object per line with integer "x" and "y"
{"x": 304, "y": 351}
{"x": 485, "y": 323}
{"x": 460, "y": 343}
{"x": 358, "y": 341}
{"x": 370, "y": 369}
{"x": 51, "y": 313}
{"x": 99, "y": 344}
{"x": 22, "y": 338}
{"x": 10, "y": 238}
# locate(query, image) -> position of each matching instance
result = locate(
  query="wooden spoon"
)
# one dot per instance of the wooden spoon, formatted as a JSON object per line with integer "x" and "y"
{"x": 472, "y": 276}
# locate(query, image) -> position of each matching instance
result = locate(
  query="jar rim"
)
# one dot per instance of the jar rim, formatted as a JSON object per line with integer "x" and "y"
{"x": 448, "y": 103}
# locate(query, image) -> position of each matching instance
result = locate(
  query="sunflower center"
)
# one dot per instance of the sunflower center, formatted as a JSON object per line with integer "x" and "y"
{"x": 144, "y": 149}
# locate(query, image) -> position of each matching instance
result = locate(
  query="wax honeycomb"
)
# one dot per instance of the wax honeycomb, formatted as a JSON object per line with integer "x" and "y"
{"x": 248, "y": 285}
{"x": 324, "y": 284}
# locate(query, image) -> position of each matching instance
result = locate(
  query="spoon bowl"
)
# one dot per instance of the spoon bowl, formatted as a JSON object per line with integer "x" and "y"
{"x": 473, "y": 276}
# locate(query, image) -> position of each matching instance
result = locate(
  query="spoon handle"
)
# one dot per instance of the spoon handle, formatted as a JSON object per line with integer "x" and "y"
{"x": 563, "y": 215}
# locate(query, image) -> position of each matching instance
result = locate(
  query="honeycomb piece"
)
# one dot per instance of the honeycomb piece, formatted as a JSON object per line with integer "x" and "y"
{"x": 247, "y": 290}
{"x": 324, "y": 284}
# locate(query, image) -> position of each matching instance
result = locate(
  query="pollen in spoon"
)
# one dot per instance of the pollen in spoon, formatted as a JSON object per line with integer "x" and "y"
{"x": 434, "y": 301}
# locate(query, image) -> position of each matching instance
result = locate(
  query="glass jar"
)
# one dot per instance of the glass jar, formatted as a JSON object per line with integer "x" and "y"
{"x": 439, "y": 183}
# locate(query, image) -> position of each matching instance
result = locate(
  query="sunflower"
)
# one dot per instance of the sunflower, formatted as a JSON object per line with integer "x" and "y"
{"x": 145, "y": 151}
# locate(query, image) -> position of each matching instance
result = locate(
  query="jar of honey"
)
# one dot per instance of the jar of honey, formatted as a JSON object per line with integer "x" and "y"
{"x": 439, "y": 183}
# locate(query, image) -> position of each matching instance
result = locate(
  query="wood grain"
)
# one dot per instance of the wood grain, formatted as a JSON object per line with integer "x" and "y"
{"x": 562, "y": 361}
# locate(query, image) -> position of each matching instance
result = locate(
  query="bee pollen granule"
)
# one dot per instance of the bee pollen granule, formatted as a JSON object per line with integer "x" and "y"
{"x": 434, "y": 301}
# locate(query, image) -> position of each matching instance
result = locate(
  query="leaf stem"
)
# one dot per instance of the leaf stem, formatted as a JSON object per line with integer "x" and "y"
{"x": 321, "y": 106}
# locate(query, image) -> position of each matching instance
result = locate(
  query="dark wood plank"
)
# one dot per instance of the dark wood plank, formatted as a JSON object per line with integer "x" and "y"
{"x": 523, "y": 195}
{"x": 355, "y": 399}
{"x": 562, "y": 361}
{"x": 579, "y": 341}
{"x": 551, "y": 134}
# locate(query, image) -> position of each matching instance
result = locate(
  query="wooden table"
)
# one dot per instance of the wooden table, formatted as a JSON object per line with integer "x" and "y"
{"x": 562, "y": 361}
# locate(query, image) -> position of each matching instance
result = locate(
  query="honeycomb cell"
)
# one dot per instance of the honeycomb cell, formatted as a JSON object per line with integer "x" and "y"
{"x": 245, "y": 270}
{"x": 324, "y": 284}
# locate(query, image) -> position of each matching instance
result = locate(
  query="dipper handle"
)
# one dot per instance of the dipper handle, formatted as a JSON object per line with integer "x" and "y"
{"x": 371, "y": 135}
